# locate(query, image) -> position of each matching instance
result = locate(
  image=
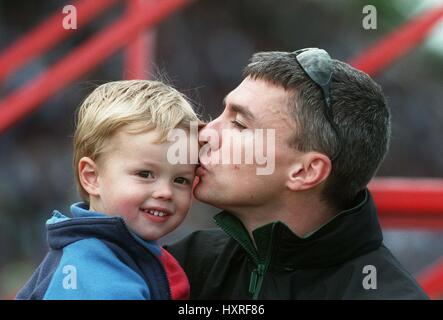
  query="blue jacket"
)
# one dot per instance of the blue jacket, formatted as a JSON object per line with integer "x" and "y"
{"x": 95, "y": 256}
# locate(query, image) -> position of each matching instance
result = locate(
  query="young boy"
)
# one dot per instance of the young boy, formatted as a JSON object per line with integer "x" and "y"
{"x": 132, "y": 196}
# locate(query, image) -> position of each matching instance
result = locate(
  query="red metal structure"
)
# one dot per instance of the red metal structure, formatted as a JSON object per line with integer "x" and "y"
{"x": 402, "y": 203}
{"x": 25, "y": 100}
{"x": 139, "y": 52}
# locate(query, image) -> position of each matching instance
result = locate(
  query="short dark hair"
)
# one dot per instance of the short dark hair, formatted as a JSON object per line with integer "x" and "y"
{"x": 359, "y": 110}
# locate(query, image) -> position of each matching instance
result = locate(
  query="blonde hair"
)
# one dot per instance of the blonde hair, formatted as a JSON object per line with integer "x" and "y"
{"x": 146, "y": 104}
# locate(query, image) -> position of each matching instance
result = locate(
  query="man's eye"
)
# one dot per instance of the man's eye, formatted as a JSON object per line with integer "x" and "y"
{"x": 181, "y": 180}
{"x": 238, "y": 124}
{"x": 145, "y": 174}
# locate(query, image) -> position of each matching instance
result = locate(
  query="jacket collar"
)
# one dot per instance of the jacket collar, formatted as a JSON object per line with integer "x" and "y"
{"x": 351, "y": 233}
{"x": 64, "y": 230}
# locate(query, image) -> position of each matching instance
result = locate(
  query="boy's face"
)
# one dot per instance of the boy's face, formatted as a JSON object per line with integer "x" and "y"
{"x": 136, "y": 181}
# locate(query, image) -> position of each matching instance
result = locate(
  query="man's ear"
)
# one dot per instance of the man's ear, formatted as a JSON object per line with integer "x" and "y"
{"x": 310, "y": 170}
{"x": 88, "y": 175}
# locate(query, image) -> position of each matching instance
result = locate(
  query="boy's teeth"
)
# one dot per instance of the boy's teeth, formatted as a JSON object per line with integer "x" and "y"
{"x": 156, "y": 213}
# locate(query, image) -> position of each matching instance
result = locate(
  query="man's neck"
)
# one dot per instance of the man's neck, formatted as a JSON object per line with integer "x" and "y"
{"x": 301, "y": 216}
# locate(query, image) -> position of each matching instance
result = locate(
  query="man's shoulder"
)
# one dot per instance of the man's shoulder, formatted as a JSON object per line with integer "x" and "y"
{"x": 201, "y": 239}
{"x": 379, "y": 275}
{"x": 213, "y": 234}
{"x": 199, "y": 244}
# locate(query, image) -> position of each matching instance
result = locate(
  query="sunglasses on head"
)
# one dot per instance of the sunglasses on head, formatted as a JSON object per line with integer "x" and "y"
{"x": 317, "y": 64}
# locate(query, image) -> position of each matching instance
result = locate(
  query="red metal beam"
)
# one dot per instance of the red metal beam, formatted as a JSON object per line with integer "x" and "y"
{"x": 404, "y": 203}
{"x": 397, "y": 43}
{"x": 139, "y": 53}
{"x": 408, "y": 197}
{"x": 420, "y": 222}
{"x": 21, "y": 102}
{"x": 431, "y": 280}
{"x": 138, "y": 56}
{"x": 46, "y": 35}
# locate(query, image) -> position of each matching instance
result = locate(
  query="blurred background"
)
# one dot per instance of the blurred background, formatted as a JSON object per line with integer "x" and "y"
{"x": 202, "y": 47}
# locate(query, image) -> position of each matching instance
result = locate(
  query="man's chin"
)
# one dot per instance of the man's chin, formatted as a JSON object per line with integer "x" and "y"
{"x": 204, "y": 194}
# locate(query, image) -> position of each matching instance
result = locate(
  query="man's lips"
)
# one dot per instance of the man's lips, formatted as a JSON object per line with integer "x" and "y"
{"x": 201, "y": 170}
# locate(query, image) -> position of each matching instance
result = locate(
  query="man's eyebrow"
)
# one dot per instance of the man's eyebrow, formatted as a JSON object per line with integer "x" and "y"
{"x": 240, "y": 109}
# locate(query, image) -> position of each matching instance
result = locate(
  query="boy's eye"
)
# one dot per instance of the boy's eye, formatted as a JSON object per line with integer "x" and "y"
{"x": 181, "y": 180}
{"x": 238, "y": 124}
{"x": 145, "y": 174}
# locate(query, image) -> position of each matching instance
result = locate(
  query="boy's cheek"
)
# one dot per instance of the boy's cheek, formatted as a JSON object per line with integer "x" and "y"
{"x": 195, "y": 183}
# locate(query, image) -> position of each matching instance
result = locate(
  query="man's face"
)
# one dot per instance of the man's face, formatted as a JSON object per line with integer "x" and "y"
{"x": 254, "y": 104}
{"x": 136, "y": 178}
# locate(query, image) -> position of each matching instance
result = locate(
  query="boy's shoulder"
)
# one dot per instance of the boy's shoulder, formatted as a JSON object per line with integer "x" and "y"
{"x": 89, "y": 269}
{"x": 84, "y": 269}
{"x": 91, "y": 258}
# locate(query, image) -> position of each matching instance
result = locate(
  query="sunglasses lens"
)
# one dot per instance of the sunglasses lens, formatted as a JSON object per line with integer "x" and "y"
{"x": 317, "y": 64}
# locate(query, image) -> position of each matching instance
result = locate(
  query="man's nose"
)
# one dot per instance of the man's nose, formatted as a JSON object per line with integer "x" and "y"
{"x": 210, "y": 134}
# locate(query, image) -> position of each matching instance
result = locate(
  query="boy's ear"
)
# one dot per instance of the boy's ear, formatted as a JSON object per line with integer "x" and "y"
{"x": 310, "y": 170}
{"x": 88, "y": 175}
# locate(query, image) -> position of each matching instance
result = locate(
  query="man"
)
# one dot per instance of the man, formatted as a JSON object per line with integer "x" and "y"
{"x": 309, "y": 230}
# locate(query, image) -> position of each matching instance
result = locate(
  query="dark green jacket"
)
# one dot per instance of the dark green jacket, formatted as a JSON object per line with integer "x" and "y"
{"x": 344, "y": 259}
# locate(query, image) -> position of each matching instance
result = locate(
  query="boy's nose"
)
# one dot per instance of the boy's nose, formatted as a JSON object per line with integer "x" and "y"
{"x": 162, "y": 191}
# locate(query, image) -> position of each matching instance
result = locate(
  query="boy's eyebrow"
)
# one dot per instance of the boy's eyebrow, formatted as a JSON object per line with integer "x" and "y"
{"x": 150, "y": 162}
{"x": 243, "y": 110}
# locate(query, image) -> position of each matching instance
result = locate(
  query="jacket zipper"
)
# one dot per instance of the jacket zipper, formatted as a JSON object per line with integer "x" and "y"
{"x": 257, "y": 275}
{"x": 256, "y": 280}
